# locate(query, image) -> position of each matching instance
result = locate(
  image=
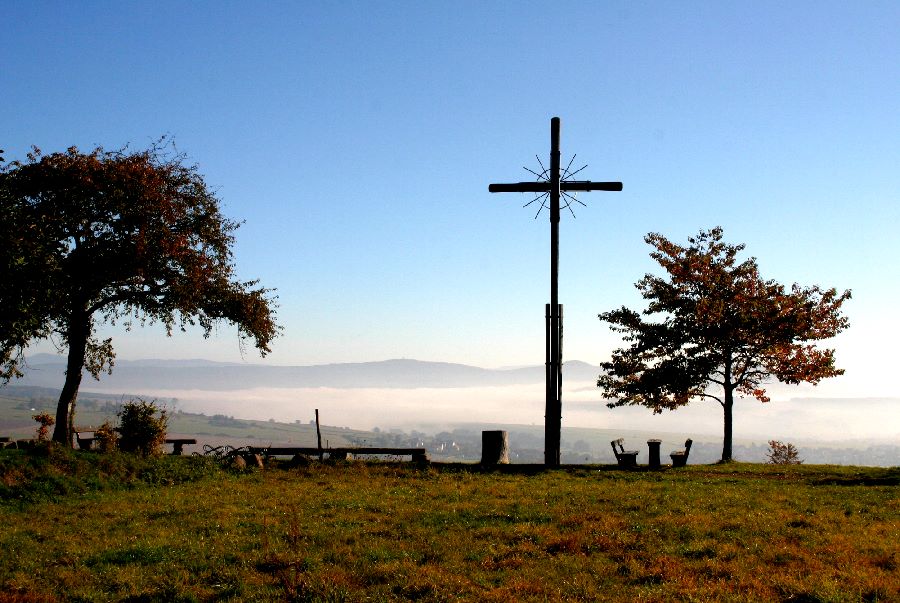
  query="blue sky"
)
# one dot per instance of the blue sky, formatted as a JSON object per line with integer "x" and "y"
{"x": 357, "y": 141}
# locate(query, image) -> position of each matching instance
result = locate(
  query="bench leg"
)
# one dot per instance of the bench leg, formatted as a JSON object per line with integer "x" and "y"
{"x": 627, "y": 460}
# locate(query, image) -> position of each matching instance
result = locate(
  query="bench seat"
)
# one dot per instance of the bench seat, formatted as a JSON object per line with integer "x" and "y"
{"x": 625, "y": 458}
{"x": 680, "y": 457}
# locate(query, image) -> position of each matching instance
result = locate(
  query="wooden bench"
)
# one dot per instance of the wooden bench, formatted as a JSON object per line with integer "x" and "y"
{"x": 680, "y": 457}
{"x": 625, "y": 458}
{"x": 419, "y": 455}
{"x": 179, "y": 443}
{"x": 86, "y": 442}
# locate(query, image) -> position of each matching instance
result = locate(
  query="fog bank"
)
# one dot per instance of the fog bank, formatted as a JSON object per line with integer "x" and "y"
{"x": 363, "y": 408}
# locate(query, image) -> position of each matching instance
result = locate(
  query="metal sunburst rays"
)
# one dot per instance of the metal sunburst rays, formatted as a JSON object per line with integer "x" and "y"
{"x": 544, "y": 176}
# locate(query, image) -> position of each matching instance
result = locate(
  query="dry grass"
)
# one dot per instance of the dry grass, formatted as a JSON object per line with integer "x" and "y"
{"x": 390, "y": 532}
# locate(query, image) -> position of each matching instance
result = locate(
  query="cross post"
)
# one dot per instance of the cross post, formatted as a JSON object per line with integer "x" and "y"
{"x": 554, "y": 185}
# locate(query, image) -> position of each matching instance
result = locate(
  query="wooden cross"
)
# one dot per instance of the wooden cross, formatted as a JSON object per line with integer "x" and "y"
{"x": 553, "y": 314}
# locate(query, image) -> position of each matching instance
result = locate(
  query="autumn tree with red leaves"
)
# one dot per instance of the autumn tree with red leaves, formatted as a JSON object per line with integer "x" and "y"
{"x": 106, "y": 236}
{"x": 714, "y": 329}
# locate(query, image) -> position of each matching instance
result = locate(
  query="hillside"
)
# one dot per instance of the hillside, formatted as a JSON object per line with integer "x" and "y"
{"x": 45, "y": 370}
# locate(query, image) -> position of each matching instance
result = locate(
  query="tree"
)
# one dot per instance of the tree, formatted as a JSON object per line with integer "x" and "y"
{"x": 88, "y": 238}
{"x": 719, "y": 329}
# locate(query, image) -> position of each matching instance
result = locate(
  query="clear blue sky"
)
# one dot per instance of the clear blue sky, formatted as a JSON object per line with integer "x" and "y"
{"x": 357, "y": 140}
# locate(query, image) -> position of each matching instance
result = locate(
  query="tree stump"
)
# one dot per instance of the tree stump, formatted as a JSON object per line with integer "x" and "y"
{"x": 494, "y": 448}
{"x": 653, "y": 461}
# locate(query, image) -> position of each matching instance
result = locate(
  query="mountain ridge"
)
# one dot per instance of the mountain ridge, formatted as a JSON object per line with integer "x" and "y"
{"x": 402, "y": 373}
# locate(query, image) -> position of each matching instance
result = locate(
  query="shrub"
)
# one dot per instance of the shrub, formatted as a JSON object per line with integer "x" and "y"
{"x": 140, "y": 429}
{"x": 782, "y": 454}
{"x": 106, "y": 437}
{"x": 45, "y": 421}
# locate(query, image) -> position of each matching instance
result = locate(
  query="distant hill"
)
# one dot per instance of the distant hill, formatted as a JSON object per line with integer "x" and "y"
{"x": 46, "y": 370}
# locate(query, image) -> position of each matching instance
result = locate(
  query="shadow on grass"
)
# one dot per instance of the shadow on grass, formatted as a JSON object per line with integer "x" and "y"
{"x": 538, "y": 468}
{"x": 865, "y": 477}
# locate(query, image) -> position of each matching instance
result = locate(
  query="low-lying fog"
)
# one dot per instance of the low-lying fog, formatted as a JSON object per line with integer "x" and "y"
{"x": 872, "y": 419}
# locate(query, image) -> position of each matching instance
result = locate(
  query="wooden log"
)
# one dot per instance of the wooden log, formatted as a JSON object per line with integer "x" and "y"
{"x": 494, "y": 447}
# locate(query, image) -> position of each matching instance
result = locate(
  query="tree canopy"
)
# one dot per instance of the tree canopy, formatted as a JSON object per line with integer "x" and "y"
{"x": 715, "y": 327}
{"x": 103, "y": 236}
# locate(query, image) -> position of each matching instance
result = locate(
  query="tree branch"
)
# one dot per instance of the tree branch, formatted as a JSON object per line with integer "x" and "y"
{"x": 125, "y": 296}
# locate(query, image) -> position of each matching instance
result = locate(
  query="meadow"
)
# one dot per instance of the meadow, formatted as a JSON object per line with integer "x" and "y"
{"x": 82, "y": 526}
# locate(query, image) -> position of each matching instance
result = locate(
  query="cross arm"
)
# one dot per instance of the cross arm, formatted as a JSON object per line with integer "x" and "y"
{"x": 565, "y": 185}
{"x": 520, "y": 187}
{"x": 587, "y": 185}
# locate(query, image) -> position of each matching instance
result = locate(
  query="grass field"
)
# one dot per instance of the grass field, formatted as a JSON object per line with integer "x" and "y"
{"x": 84, "y": 527}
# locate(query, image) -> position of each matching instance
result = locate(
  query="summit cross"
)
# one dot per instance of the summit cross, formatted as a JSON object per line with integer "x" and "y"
{"x": 554, "y": 186}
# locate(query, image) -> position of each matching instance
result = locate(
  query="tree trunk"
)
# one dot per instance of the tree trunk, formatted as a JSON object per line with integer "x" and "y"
{"x": 79, "y": 331}
{"x": 728, "y": 405}
{"x": 726, "y": 441}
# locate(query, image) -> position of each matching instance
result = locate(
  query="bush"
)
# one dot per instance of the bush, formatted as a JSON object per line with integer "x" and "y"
{"x": 782, "y": 454}
{"x": 106, "y": 437}
{"x": 45, "y": 421}
{"x": 140, "y": 429}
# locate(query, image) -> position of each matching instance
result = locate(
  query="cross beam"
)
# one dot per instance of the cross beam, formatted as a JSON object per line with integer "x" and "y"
{"x": 554, "y": 185}
{"x": 564, "y": 185}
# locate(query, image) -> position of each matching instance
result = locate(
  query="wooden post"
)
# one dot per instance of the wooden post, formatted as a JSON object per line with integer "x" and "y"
{"x": 319, "y": 437}
{"x": 550, "y": 386}
{"x": 494, "y": 448}
{"x": 553, "y": 403}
